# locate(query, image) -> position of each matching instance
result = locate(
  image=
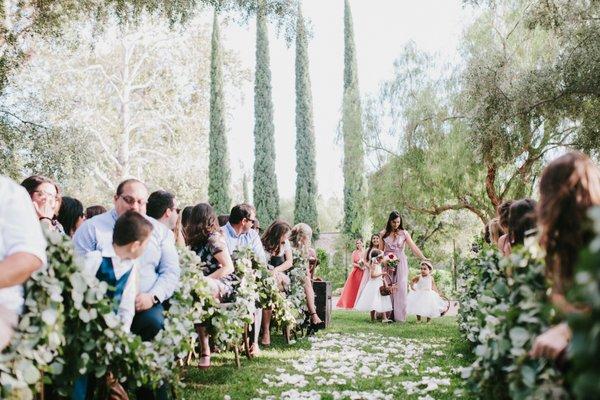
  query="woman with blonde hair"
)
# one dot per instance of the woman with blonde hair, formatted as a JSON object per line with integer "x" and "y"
{"x": 569, "y": 187}
{"x": 300, "y": 239}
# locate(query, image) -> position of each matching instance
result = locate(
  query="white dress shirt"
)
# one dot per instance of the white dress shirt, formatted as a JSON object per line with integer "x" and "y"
{"x": 91, "y": 265}
{"x": 20, "y": 231}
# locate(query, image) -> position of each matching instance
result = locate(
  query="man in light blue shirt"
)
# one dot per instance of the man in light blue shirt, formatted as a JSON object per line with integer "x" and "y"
{"x": 239, "y": 234}
{"x": 159, "y": 266}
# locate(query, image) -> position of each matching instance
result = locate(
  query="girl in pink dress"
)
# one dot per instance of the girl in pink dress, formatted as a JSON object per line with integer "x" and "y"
{"x": 394, "y": 237}
{"x": 352, "y": 286}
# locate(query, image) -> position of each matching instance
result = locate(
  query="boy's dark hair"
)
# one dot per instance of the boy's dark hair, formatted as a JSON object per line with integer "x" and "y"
{"x": 92, "y": 211}
{"x": 239, "y": 212}
{"x": 131, "y": 227}
{"x": 223, "y": 220}
{"x": 158, "y": 203}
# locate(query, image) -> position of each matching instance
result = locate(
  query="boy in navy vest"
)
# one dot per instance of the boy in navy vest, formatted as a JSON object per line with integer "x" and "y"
{"x": 118, "y": 266}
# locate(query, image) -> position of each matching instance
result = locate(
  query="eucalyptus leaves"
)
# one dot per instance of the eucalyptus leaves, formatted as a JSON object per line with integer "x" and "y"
{"x": 69, "y": 329}
{"x": 503, "y": 307}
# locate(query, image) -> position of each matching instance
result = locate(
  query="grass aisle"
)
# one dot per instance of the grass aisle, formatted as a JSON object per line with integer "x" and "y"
{"x": 354, "y": 359}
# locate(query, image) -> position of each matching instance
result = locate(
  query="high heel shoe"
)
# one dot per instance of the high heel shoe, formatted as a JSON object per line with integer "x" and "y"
{"x": 314, "y": 327}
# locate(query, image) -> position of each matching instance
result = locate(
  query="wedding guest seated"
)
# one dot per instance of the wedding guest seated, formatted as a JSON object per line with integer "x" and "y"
{"x": 280, "y": 260}
{"x": 159, "y": 265}
{"x": 92, "y": 211}
{"x": 22, "y": 252}
{"x": 300, "y": 239}
{"x": 239, "y": 235}
{"x": 495, "y": 231}
{"x": 504, "y": 241}
{"x": 45, "y": 195}
{"x": 162, "y": 206}
{"x": 118, "y": 266}
{"x": 185, "y": 215}
{"x": 70, "y": 215}
{"x": 522, "y": 221}
{"x": 206, "y": 239}
{"x": 569, "y": 187}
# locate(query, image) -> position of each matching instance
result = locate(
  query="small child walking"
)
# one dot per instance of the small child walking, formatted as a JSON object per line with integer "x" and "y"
{"x": 370, "y": 299}
{"x": 424, "y": 299}
{"x": 117, "y": 266}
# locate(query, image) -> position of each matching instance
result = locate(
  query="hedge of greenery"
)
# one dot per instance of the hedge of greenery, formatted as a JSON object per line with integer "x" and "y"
{"x": 503, "y": 308}
{"x": 68, "y": 327}
{"x": 584, "y": 352}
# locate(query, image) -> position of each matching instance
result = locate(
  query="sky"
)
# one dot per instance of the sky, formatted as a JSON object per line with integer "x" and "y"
{"x": 381, "y": 29}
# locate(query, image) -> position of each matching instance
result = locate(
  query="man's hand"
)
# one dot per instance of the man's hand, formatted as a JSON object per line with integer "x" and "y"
{"x": 44, "y": 211}
{"x": 143, "y": 302}
{"x": 551, "y": 343}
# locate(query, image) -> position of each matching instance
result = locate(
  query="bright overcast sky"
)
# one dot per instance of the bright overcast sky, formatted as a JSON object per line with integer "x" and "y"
{"x": 381, "y": 29}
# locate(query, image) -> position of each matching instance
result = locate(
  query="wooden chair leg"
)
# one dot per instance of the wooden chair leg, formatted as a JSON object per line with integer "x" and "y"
{"x": 236, "y": 350}
{"x": 246, "y": 339}
{"x": 286, "y": 334}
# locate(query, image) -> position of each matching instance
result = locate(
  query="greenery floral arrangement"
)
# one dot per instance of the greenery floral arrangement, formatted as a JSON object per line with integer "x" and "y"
{"x": 507, "y": 310}
{"x": 269, "y": 295}
{"x": 228, "y": 322}
{"x": 296, "y": 295}
{"x": 584, "y": 351}
{"x": 40, "y": 334}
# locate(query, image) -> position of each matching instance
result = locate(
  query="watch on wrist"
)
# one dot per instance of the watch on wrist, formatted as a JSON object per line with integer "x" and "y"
{"x": 155, "y": 300}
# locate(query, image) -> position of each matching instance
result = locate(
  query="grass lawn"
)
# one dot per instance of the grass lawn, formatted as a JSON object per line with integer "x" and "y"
{"x": 352, "y": 358}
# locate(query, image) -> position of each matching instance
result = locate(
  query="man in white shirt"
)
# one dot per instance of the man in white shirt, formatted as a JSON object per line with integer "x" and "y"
{"x": 22, "y": 250}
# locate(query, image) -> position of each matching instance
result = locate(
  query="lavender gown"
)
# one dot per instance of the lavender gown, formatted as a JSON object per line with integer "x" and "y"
{"x": 396, "y": 246}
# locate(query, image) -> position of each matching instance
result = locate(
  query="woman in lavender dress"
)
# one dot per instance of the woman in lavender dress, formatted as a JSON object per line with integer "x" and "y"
{"x": 394, "y": 237}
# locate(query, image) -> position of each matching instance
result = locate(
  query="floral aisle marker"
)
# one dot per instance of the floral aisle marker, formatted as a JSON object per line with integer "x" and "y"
{"x": 503, "y": 307}
{"x": 585, "y": 347}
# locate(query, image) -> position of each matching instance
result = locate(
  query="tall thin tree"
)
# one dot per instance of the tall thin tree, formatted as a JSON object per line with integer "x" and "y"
{"x": 305, "y": 208}
{"x": 352, "y": 133}
{"x": 265, "y": 192}
{"x": 219, "y": 173}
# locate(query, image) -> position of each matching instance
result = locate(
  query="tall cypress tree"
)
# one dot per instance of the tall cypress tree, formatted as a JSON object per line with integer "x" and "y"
{"x": 266, "y": 194}
{"x": 219, "y": 174}
{"x": 352, "y": 133}
{"x": 305, "y": 209}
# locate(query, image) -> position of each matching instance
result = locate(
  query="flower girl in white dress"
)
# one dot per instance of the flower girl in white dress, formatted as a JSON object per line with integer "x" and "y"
{"x": 370, "y": 299}
{"x": 424, "y": 299}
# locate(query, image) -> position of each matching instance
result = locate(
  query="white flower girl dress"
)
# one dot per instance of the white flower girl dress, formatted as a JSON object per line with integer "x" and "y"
{"x": 424, "y": 301}
{"x": 370, "y": 299}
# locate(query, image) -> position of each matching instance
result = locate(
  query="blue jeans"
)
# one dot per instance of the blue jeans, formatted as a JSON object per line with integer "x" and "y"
{"x": 148, "y": 323}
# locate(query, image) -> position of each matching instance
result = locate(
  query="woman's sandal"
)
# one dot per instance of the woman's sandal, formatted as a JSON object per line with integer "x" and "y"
{"x": 318, "y": 325}
{"x": 204, "y": 362}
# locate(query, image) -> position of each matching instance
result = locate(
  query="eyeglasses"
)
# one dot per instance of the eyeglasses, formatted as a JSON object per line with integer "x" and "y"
{"x": 131, "y": 201}
{"x": 251, "y": 220}
{"x": 46, "y": 194}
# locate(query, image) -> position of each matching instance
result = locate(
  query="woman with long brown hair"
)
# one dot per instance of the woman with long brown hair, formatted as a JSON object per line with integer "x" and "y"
{"x": 393, "y": 240}
{"x": 204, "y": 237}
{"x": 279, "y": 257}
{"x": 569, "y": 187}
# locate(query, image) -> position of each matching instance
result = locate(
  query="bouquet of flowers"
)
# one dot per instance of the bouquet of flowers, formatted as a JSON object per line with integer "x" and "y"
{"x": 392, "y": 261}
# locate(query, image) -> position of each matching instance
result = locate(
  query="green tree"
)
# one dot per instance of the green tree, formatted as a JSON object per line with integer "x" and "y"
{"x": 265, "y": 193}
{"x": 352, "y": 134}
{"x": 219, "y": 174}
{"x": 305, "y": 206}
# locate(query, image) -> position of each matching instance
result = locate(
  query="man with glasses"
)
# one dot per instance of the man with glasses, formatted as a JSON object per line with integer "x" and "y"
{"x": 239, "y": 233}
{"x": 159, "y": 265}
{"x": 162, "y": 206}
